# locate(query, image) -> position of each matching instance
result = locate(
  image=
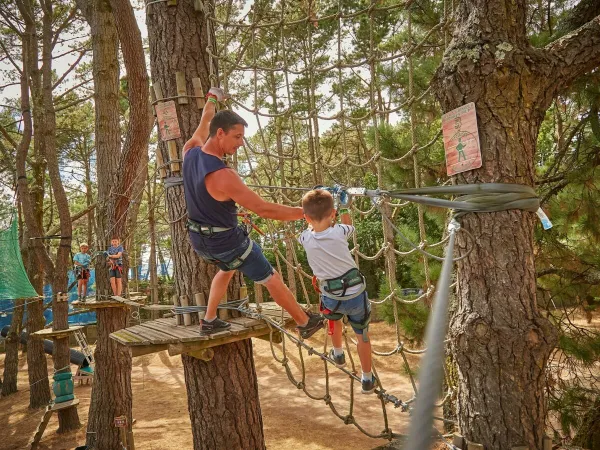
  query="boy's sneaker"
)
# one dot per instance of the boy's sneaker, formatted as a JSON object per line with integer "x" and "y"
{"x": 368, "y": 386}
{"x": 213, "y": 327}
{"x": 315, "y": 323}
{"x": 339, "y": 360}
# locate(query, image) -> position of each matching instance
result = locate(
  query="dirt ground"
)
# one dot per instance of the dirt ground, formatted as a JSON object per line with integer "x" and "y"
{"x": 291, "y": 419}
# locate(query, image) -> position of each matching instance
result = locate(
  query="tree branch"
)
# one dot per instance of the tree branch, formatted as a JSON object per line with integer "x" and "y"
{"x": 68, "y": 71}
{"x": 74, "y": 218}
{"x": 574, "y": 54}
{"x": 8, "y": 137}
{"x": 75, "y": 103}
{"x": 10, "y": 58}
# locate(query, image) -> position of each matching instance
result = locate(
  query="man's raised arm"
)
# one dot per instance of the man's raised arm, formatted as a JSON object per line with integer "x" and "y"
{"x": 200, "y": 136}
{"x": 229, "y": 183}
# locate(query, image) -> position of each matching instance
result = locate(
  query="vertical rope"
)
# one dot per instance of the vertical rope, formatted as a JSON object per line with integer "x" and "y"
{"x": 413, "y": 140}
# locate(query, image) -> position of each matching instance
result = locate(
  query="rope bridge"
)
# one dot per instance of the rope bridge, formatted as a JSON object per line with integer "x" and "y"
{"x": 318, "y": 79}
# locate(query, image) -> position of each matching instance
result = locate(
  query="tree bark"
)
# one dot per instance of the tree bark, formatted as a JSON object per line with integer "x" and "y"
{"x": 11, "y": 360}
{"x": 229, "y": 416}
{"x": 111, "y": 394}
{"x": 105, "y": 49}
{"x": 224, "y": 415}
{"x": 31, "y": 202}
{"x": 500, "y": 341}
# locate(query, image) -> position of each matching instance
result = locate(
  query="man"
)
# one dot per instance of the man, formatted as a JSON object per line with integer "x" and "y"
{"x": 211, "y": 192}
{"x": 82, "y": 262}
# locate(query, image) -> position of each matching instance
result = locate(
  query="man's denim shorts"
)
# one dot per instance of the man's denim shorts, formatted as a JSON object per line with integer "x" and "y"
{"x": 354, "y": 308}
{"x": 255, "y": 266}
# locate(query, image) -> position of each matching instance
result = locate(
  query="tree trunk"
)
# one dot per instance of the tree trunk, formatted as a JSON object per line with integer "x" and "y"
{"x": 11, "y": 360}
{"x": 31, "y": 202}
{"x": 224, "y": 415}
{"x": 153, "y": 275}
{"x": 111, "y": 393}
{"x": 68, "y": 419}
{"x": 499, "y": 340}
{"x": 178, "y": 38}
{"x": 105, "y": 48}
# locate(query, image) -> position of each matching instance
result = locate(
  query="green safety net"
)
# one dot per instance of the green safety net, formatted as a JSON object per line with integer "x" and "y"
{"x": 14, "y": 282}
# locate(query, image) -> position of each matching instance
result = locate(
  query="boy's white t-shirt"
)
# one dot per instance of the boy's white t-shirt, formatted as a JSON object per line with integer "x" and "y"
{"x": 328, "y": 253}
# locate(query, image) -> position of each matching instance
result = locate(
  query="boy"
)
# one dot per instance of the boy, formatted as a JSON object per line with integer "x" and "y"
{"x": 212, "y": 190}
{"x": 82, "y": 261}
{"x": 342, "y": 285}
{"x": 115, "y": 263}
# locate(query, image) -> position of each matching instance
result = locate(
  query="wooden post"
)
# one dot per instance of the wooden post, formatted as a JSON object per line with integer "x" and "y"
{"x": 258, "y": 295}
{"x": 123, "y": 436}
{"x": 223, "y": 314}
{"x": 160, "y": 163}
{"x": 198, "y": 92}
{"x": 178, "y": 317}
{"x": 175, "y": 166}
{"x": 187, "y": 317}
{"x": 130, "y": 440}
{"x": 547, "y": 443}
{"x": 181, "y": 91}
{"x": 200, "y": 301}
{"x": 157, "y": 91}
{"x": 153, "y": 99}
{"x": 458, "y": 441}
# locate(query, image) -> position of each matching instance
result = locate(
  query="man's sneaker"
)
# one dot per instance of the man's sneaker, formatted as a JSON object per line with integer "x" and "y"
{"x": 315, "y": 323}
{"x": 368, "y": 386}
{"x": 213, "y": 327}
{"x": 339, "y": 360}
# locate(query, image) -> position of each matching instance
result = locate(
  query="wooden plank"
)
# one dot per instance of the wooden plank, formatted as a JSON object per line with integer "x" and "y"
{"x": 93, "y": 304}
{"x": 178, "y": 333}
{"x": 126, "y": 338}
{"x": 181, "y": 90}
{"x": 198, "y": 93}
{"x": 41, "y": 428}
{"x": 151, "y": 336}
{"x": 49, "y": 332}
{"x": 248, "y": 322}
{"x": 167, "y": 320}
{"x": 65, "y": 405}
{"x": 158, "y": 307}
{"x": 141, "y": 350}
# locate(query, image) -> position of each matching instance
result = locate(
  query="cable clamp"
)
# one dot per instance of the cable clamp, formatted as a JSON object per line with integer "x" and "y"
{"x": 453, "y": 226}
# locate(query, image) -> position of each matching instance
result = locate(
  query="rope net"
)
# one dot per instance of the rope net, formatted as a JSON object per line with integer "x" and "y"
{"x": 14, "y": 282}
{"x": 337, "y": 92}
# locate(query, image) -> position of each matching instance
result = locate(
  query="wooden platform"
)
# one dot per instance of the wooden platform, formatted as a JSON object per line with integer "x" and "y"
{"x": 113, "y": 302}
{"x": 50, "y": 333}
{"x": 164, "y": 334}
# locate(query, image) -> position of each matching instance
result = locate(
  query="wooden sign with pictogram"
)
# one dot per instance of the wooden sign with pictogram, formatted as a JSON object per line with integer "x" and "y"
{"x": 166, "y": 114}
{"x": 120, "y": 421}
{"x": 461, "y": 139}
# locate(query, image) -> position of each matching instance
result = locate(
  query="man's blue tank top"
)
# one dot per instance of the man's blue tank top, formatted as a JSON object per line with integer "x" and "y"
{"x": 204, "y": 209}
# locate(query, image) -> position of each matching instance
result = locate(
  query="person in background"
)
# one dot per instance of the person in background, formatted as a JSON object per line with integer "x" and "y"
{"x": 115, "y": 263}
{"x": 82, "y": 261}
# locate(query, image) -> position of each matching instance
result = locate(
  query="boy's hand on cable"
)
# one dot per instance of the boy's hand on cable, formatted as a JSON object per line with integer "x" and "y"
{"x": 345, "y": 199}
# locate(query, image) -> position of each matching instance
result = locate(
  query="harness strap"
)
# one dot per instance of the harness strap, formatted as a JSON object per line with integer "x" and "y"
{"x": 205, "y": 230}
{"x": 237, "y": 262}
